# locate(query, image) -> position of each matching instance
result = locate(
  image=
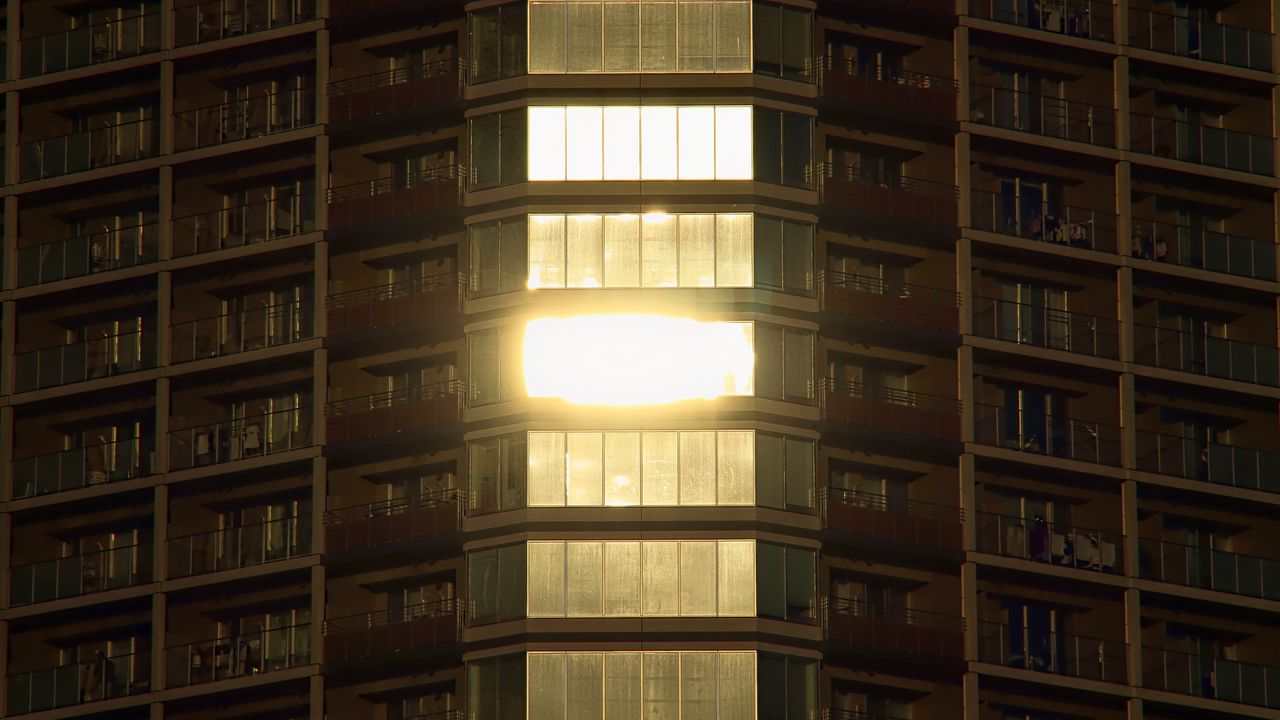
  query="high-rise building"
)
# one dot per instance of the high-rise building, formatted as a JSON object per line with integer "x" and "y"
{"x": 639, "y": 360}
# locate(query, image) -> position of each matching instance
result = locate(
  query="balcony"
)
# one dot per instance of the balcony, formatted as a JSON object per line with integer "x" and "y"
{"x": 394, "y": 199}
{"x": 101, "y": 357}
{"x": 91, "y": 572}
{"x": 893, "y": 629}
{"x": 893, "y": 520}
{"x": 1209, "y": 677}
{"x": 241, "y": 225}
{"x": 1045, "y": 327}
{"x": 397, "y": 411}
{"x": 903, "y": 198}
{"x": 79, "y": 683}
{"x": 1043, "y": 650}
{"x": 890, "y": 409}
{"x": 1201, "y": 354}
{"x": 1044, "y": 222}
{"x": 403, "y": 304}
{"x": 1040, "y": 434}
{"x": 1089, "y": 19}
{"x": 392, "y": 521}
{"x": 1199, "y": 247}
{"x": 895, "y": 304}
{"x": 1210, "y": 569}
{"x": 911, "y": 94}
{"x": 1199, "y": 459}
{"x": 248, "y": 654}
{"x": 90, "y": 254}
{"x": 232, "y": 333}
{"x": 1202, "y": 144}
{"x": 1050, "y": 543}
{"x": 401, "y": 90}
{"x": 383, "y": 632}
{"x": 1042, "y": 115}
{"x": 103, "y": 146}
{"x": 217, "y": 19}
{"x": 1200, "y": 39}
{"x": 239, "y": 547}
{"x": 136, "y": 34}
{"x": 82, "y": 467}
{"x": 243, "y": 119}
{"x": 240, "y": 439}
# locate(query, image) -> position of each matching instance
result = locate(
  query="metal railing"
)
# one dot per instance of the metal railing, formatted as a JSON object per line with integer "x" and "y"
{"x": 1200, "y": 39}
{"x": 914, "y": 92}
{"x": 1198, "y": 459}
{"x": 395, "y": 90}
{"x": 103, "y": 678}
{"x": 394, "y": 303}
{"x": 1045, "y": 327}
{"x": 897, "y": 519}
{"x": 1193, "y": 352}
{"x": 1208, "y": 568}
{"x": 393, "y": 520}
{"x": 435, "y": 622}
{"x": 253, "y": 653}
{"x": 1202, "y": 144}
{"x": 1042, "y": 115}
{"x": 88, "y": 254}
{"x": 99, "y": 357}
{"x": 229, "y": 440}
{"x": 395, "y": 411}
{"x": 1069, "y": 438}
{"x": 831, "y": 714}
{"x": 110, "y": 144}
{"x": 1044, "y": 222}
{"x": 1209, "y": 677}
{"x": 1052, "y": 543}
{"x": 389, "y": 198}
{"x": 242, "y": 225}
{"x": 893, "y": 628}
{"x": 81, "y": 467}
{"x": 241, "y": 546}
{"x": 891, "y": 302}
{"x": 1203, "y": 248}
{"x": 243, "y": 119}
{"x": 136, "y": 34}
{"x": 217, "y": 19}
{"x": 854, "y": 187}
{"x": 889, "y": 408}
{"x": 1043, "y": 650}
{"x": 232, "y": 333}
{"x": 90, "y": 572}
{"x": 890, "y": 395}
{"x": 1092, "y": 19}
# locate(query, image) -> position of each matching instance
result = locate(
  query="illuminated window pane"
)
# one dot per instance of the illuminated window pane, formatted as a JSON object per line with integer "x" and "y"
{"x": 662, "y": 686}
{"x": 546, "y": 579}
{"x": 661, "y": 582}
{"x": 622, "y": 586}
{"x": 547, "y": 28}
{"x": 659, "y": 459}
{"x": 584, "y": 465}
{"x": 658, "y": 36}
{"x": 585, "y": 249}
{"x": 584, "y": 126}
{"x": 696, "y": 31}
{"x": 698, "y": 468}
{"x": 697, "y": 250}
{"x": 737, "y": 686}
{"x": 697, "y": 143}
{"x": 585, "y": 685}
{"x": 733, "y": 36}
{"x": 698, "y": 683}
{"x": 622, "y": 683}
{"x": 733, "y": 143}
{"x": 585, "y": 579}
{"x": 621, "y": 37}
{"x": 736, "y": 578}
{"x": 735, "y": 471}
{"x": 546, "y": 251}
{"x": 546, "y": 685}
{"x": 733, "y": 250}
{"x": 622, "y": 251}
{"x": 658, "y": 143}
{"x": 621, "y": 469}
{"x": 584, "y": 37}
{"x": 546, "y": 468}
{"x": 698, "y": 577}
{"x": 658, "y": 250}
{"x": 546, "y": 143}
{"x": 621, "y": 142}
{"x": 741, "y": 381}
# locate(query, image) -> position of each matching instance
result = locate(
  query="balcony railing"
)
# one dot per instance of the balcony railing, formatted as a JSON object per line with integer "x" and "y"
{"x": 78, "y": 683}
{"x": 892, "y": 628}
{"x": 397, "y": 411}
{"x": 1045, "y": 327}
{"x": 1092, "y": 19}
{"x": 239, "y": 547}
{"x": 233, "y": 333}
{"x": 395, "y": 198}
{"x": 893, "y": 519}
{"x": 99, "y": 357}
{"x": 403, "y": 304}
{"x": 1192, "y": 352}
{"x": 254, "y": 653}
{"x": 384, "y": 632}
{"x": 1050, "y": 543}
{"x": 217, "y": 19}
{"x": 909, "y": 92}
{"x": 1046, "y": 651}
{"x": 1202, "y": 248}
{"x": 136, "y": 34}
{"x": 1062, "y": 437}
{"x": 1044, "y": 222}
{"x": 90, "y": 572}
{"x": 1193, "y": 459}
{"x": 243, "y": 119}
{"x": 395, "y": 91}
{"x": 890, "y": 302}
{"x": 1202, "y": 144}
{"x": 83, "y": 466}
{"x": 904, "y": 197}
{"x": 890, "y": 409}
{"x": 250, "y": 437}
{"x": 830, "y": 714}
{"x": 1211, "y": 569}
{"x": 242, "y": 225}
{"x": 1042, "y": 115}
{"x": 1209, "y": 677}
{"x": 1200, "y": 39}
{"x": 101, "y": 146}
{"x": 392, "y": 521}
{"x": 88, "y": 254}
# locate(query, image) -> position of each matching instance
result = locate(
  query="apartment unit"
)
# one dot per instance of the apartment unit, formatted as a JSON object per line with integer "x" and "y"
{"x": 603, "y": 359}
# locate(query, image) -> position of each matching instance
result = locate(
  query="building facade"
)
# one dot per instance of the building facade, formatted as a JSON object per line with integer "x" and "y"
{"x": 603, "y": 359}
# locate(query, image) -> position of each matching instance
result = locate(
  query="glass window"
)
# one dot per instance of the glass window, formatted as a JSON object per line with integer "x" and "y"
{"x": 698, "y": 578}
{"x": 514, "y": 146}
{"x": 802, "y": 568}
{"x": 698, "y": 468}
{"x": 735, "y": 467}
{"x": 733, "y": 36}
{"x": 769, "y": 362}
{"x": 783, "y": 41}
{"x": 797, "y": 257}
{"x": 659, "y": 459}
{"x": 622, "y": 468}
{"x": 547, "y": 143}
{"x": 482, "y": 356}
{"x": 482, "y": 582}
{"x": 585, "y": 691}
{"x": 621, "y": 142}
{"x": 661, "y": 585}
{"x": 800, "y": 474}
{"x": 662, "y": 686}
{"x": 658, "y": 37}
{"x": 621, "y": 37}
{"x": 585, "y": 32}
{"x": 698, "y": 683}
{"x": 585, "y": 259}
{"x": 498, "y": 142}
{"x": 733, "y": 250}
{"x": 768, "y": 252}
{"x": 767, "y": 150}
{"x": 547, "y": 31}
{"x": 797, "y": 149}
{"x": 696, "y": 29}
{"x": 546, "y": 583}
{"x": 659, "y": 142}
{"x": 697, "y": 253}
{"x": 546, "y": 685}
{"x": 736, "y": 578}
{"x": 622, "y": 683}
{"x": 622, "y": 251}
{"x": 622, "y": 581}
{"x": 585, "y": 579}
{"x": 733, "y": 138}
{"x": 546, "y": 468}
{"x": 738, "y": 686}
{"x": 771, "y": 575}
{"x": 546, "y": 251}
{"x": 585, "y": 465}
{"x": 511, "y": 582}
{"x": 585, "y": 155}
{"x": 497, "y": 41}
{"x": 658, "y": 242}
{"x": 798, "y": 365}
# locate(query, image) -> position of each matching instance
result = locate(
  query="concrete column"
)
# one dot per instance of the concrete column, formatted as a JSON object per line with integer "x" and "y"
{"x": 166, "y": 107}
{"x": 165, "y": 251}
{"x": 972, "y": 710}
{"x": 163, "y": 403}
{"x": 322, "y": 76}
{"x": 159, "y": 627}
{"x": 1128, "y": 421}
{"x": 316, "y": 698}
{"x": 322, "y": 182}
{"x": 964, "y": 382}
{"x": 969, "y": 501}
{"x": 317, "y": 613}
{"x": 319, "y": 394}
{"x": 1120, "y": 80}
{"x": 964, "y": 279}
{"x": 167, "y": 20}
{"x": 160, "y": 548}
{"x": 319, "y": 502}
{"x": 1120, "y": 24}
{"x": 960, "y": 68}
{"x": 156, "y": 711}
{"x": 320, "y": 285}
{"x": 1133, "y": 635}
{"x": 1124, "y": 311}
{"x": 1124, "y": 208}
{"x": 164, "y": 317}
{"x": 1134, "y": 709}
{"x": 969, "y": 609}
{"x": 964, "y": 181}
{"x": 13, "y": 54}
{"x": 1129, "y": 517}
